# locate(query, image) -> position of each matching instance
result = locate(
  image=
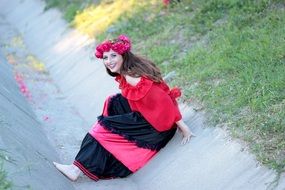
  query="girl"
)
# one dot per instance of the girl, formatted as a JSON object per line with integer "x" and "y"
{"x": 135, "y": 124}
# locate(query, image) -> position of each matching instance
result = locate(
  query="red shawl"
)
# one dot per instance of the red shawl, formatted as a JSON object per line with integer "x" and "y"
{"x": 155, "y": 101}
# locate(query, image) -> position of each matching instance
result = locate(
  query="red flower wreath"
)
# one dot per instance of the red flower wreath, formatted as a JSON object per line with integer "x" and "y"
{"x": 120, "y": 45}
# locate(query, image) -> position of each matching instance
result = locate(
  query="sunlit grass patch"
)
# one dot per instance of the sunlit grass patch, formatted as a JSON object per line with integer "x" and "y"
{"x": 97, "y": 18}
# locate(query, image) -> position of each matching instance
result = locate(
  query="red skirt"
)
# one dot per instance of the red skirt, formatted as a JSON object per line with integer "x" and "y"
{"x": 120, "y": 143}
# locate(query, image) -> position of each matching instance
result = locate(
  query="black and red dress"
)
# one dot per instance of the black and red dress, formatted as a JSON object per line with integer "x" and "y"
{"x": 133, "y": 127}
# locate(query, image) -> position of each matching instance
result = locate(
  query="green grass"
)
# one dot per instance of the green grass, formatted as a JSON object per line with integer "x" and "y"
{"x": 69, "y": 7}
{"x": 229, "y": 56}
{"x": 5, "y": 184}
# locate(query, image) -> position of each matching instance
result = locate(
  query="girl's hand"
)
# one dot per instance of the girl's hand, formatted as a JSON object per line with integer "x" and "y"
{"x": 186, "y": 136}
{"x": 186, "y": 132}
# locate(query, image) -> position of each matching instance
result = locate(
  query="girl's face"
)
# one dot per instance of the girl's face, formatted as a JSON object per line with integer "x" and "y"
{"x": 113, "y": 61}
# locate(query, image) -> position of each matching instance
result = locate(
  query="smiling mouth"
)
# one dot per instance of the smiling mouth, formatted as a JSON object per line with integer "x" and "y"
{"x": 112, "y": 66}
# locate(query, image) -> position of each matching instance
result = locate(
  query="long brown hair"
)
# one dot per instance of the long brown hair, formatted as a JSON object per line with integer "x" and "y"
{"x": 137, "y": 66}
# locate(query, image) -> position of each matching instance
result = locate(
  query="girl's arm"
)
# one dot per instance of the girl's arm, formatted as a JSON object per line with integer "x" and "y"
{"x": 186, "y": 132}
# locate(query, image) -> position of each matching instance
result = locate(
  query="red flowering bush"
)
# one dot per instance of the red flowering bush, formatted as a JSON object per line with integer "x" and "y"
{"x": 165, "y": 2}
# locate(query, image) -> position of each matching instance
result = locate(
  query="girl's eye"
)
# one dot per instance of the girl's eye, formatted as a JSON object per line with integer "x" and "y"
{"x": 105, "y": 57}
{"x": 113, "y": 55}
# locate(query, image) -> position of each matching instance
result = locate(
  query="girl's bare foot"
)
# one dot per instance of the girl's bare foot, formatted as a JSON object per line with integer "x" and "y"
{"x": 72, "y": 172}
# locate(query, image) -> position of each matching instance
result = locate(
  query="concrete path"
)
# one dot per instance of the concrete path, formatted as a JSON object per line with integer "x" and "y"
{"x": 65, "y": 88}
{"x": 27, "y": 151}
{"x": 64, "y": 126}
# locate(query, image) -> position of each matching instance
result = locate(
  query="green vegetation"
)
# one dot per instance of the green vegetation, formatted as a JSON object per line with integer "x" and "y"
{"x": 4, "y": 183}
{"x": 229, "y": 56}
{"x": 68, "y": 7}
